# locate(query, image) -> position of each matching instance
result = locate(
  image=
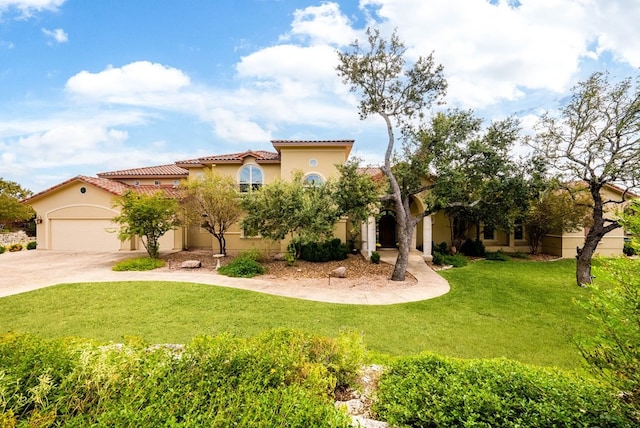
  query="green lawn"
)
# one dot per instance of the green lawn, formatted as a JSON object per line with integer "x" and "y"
{"x": 521, "y": 310}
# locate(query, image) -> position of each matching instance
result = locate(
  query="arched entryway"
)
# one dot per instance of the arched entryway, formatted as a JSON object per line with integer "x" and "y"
{"x": 387, "y": 229}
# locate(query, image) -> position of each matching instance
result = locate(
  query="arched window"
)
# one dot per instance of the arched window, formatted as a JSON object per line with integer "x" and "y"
{"x": 313, "y": 180}
{"x": 250, "y": 178}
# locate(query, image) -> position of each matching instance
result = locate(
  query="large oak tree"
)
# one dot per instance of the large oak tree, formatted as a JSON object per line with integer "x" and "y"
{"x": 400, "y": 94}
{"x": 595, "y": 141}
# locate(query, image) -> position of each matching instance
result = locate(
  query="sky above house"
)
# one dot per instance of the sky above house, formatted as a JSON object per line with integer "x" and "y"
{"x": 94, "y": 86}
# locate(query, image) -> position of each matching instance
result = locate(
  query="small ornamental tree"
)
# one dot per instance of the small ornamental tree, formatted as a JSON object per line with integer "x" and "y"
{"x": 213, "y": 203}
{"x": 148, "y": 217}
{"x": 555, "y": 210}
{"x": 289, "y": 208}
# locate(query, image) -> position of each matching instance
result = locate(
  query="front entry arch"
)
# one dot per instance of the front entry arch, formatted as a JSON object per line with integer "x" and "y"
{"x": 387, "y": 229}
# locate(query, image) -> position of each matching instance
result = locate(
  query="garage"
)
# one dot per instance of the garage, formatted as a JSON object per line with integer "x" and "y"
{"x": 84, "y": 235}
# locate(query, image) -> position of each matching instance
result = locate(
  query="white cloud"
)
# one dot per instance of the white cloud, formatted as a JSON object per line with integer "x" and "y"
{"x": 131, "y": 84}
{"x": 27, "y": 8}
{"x": 58, "y": 35}
{"x": 323, "y": 24}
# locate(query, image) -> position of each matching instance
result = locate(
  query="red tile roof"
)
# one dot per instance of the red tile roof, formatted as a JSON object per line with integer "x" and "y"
{"x": 171, "y": 170}
{"x": 261, "y": 156}
{"x": 112, "y": 186}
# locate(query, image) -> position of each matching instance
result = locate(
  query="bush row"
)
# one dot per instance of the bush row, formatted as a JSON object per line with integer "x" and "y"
{"x": 436, "y": 391}
{"x": 280, "y": 378}
{"x": 325, "y": 251}
{"x": 31, "y": 245}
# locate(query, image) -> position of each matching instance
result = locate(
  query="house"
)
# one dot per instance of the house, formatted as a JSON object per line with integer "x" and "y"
{"x": 76, "y": 215}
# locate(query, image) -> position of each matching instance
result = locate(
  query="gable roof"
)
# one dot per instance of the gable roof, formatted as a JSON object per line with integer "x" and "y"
{"x": 261, "y": 156}
{"x": 160, "y": 171}
{"x": 116, "y": 188}
{"x": 346, "y": 144}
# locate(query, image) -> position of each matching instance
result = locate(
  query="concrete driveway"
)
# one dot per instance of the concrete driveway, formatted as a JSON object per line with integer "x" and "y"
{"x": 29, "y": 270}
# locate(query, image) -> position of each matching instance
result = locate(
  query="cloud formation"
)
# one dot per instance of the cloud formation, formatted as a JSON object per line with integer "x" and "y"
{"x": 27, "y": 8}
{"x": 58, "y": 35}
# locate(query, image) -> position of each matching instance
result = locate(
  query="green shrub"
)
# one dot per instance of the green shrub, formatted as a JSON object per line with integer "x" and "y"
{"x": 456, "y": 260}
{"x": 628, "y": 249}
{"x": 15, "y": 247}
{"x": 498, "y": 256}
{"x": 243, "y": 266}
{"x": 139, "y": 263}
{"x": 280, "y": 378}
{"x": 32, "y": 245}
{"x": 325, "y": 251}
{"x": 472, "y": 248}
{"x": 375, "y": 257}
{"x": 444, "y": 392}
{"x": 442, "y": 248}
{"x": 2, "y": 249}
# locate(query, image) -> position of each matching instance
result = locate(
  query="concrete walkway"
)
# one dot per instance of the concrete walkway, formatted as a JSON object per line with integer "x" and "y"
{"x": 30, "y": 270}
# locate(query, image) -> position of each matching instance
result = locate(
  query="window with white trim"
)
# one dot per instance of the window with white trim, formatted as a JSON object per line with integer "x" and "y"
{"x": 313, "y": 179}
{"x": 250, "y": 178}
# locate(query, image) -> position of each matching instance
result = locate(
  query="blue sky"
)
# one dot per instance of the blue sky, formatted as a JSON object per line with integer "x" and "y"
{"x": 93, "y": 86}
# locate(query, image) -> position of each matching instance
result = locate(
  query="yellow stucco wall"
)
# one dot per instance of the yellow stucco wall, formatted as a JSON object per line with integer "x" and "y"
{"x": 76, "y": 220}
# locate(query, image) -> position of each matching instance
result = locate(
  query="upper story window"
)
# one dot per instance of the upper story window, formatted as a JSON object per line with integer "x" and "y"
{"x": 156, "y": 183}
{"x": 313, "y": 180}
{"x": 136, "y": 183}
{"x": 250, "y": 178}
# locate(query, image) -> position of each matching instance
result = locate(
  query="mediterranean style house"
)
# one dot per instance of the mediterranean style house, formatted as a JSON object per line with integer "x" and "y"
{"x": 76, "y": 215}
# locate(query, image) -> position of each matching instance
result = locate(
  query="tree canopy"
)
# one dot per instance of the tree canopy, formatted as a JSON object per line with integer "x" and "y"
{"x": 11, "y": 209}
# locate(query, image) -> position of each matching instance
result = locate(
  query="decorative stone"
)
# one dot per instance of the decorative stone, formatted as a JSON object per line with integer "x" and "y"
{"x": 191, "y": 264}
{"x": 339, "y": 272}
{"x": 279, "y": 257}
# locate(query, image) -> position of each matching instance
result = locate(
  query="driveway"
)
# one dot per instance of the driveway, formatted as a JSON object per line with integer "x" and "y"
{"x": 30, "y": 270}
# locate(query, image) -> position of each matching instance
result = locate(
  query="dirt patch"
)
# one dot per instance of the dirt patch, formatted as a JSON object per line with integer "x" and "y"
{"x": 361, "y": 274}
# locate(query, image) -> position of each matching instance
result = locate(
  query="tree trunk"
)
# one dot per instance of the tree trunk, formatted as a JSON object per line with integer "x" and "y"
{"x": 593, "y": 238}
{"x": 404, "y": 242}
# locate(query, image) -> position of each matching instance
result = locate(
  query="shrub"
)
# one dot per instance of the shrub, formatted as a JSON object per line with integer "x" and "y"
{"x": 280, "y": 378}
{"x": 325, "y": 251}
{"x": 32, "y": 245}
{"x": 2, "y": 249}
{"x": 139, "y": 264}
{"x": 15, "y": 247}
{"x": 498, "y": 256}
{"x": 444, "y": 392}
{"x": 628, "y": 249}
{"x": 244, "y": 265}
{"x": 375, "y": 257}
{"x": 472, "y": 248}
{"x": 456, "y": 260}
{"x": 442, "y": 248}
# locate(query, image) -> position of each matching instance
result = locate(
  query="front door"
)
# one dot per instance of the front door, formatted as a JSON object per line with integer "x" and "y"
{"x": 387, "y": 230}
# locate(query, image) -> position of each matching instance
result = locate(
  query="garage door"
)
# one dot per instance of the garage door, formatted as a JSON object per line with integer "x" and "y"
{"x": 84, "y": 235}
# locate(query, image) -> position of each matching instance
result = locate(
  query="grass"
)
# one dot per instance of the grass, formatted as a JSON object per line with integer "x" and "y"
{"x": 139, "y": 263}
{"x": 520, "y": 310}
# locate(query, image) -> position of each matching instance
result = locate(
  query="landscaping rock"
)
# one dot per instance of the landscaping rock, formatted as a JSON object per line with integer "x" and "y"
{"x": 279, "y": 257}
{"x": 191, "y": 264}
{"x": 339, "y": 272}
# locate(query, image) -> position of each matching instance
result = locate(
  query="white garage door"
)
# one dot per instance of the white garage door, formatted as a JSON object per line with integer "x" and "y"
{"x": 84, "y": 235}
